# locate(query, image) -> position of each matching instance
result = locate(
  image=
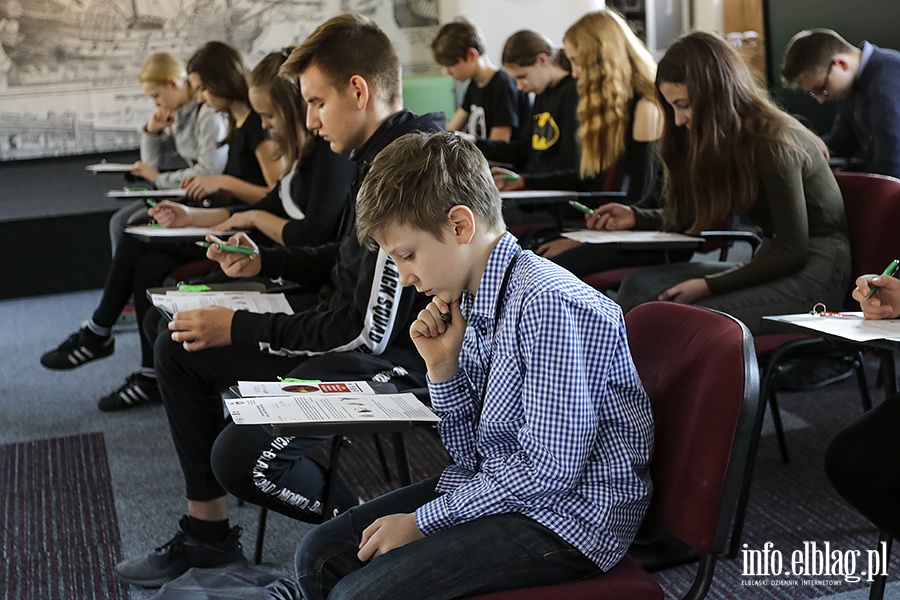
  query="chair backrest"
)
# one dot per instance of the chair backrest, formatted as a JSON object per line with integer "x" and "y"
{"x": 872, "y": 207}
{"x": 699, "y": 369}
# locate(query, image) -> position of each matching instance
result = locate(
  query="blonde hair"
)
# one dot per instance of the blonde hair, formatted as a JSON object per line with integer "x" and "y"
{"x": 616, "y": 68}
{"x": 162, "y": 66}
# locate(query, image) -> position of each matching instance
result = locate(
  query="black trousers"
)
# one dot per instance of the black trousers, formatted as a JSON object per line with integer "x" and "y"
{"x": 272, "y": 472}
{"x": 136, "y": 266}
{"x": 863, "y": 465}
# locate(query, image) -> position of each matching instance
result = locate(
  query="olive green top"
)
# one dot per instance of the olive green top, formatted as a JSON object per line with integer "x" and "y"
{"x": 798, "y": 199}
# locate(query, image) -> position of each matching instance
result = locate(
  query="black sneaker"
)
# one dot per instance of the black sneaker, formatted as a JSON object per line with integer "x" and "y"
{"x": 136, "y": 391}
{"x": 79, "y": 348}
{"x": 179, "y": 554}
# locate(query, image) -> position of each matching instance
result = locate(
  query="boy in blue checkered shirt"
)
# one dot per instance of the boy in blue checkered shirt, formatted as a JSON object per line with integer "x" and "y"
{"x": 542, "y": 411}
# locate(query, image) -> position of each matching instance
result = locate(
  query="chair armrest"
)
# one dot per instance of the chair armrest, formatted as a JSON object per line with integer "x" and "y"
{"x": 733, "y": 236}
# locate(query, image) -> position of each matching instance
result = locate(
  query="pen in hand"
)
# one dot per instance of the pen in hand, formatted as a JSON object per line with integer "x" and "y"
{"x": 229, "y": 248}
{"x": 889, "y": 271}
{"x": 579, "y": 206}
{"x": 150, "y": 202}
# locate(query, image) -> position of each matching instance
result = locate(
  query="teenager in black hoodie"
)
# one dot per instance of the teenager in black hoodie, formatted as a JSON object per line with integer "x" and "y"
{"x": 350, "y": 77}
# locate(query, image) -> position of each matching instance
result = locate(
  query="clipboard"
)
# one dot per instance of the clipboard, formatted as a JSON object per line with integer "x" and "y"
{"x": 126, "y": 193}
{"x": 157, "y": 234}
{"x": 329, "y": 428}
{"x": 106, "y": 167}
{"x": 236, "y": 286}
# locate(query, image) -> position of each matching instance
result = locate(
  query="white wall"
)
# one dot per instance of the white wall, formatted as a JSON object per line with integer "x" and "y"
{"x": 708, "y": 15}
{"x": 498, "y": 19}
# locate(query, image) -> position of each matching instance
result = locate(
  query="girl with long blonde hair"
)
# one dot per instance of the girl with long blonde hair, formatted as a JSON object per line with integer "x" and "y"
{"x": 620, "y": 122}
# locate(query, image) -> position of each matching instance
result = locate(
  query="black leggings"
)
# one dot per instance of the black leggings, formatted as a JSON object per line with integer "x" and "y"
{"x": 863, "y": 465}
{"x": 136, "y": 266}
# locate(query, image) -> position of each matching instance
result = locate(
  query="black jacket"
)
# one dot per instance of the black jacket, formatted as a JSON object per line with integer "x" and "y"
{"x": 362, "y": 306}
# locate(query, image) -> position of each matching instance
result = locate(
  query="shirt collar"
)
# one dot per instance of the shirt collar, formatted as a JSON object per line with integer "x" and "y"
{"x": 867, "y": 50}
{"x": 484, "y": 302}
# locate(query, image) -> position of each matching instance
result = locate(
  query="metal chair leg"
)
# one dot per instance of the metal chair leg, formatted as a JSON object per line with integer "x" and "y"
{"x": 779, "y": 427}
{"x": 876, "y": 592}
{"x": 382, "y": 458}
{"x": 863, "y": 382}
{"x": 402, "y": 458}
{"x": 260, "y": 534}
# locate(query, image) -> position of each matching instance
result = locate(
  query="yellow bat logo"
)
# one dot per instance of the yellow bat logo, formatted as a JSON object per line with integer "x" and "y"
{"x": 546, "y": 132}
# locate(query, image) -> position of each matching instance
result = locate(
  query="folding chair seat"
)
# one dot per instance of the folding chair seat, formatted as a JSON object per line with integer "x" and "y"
{"x": 705, "y": 400}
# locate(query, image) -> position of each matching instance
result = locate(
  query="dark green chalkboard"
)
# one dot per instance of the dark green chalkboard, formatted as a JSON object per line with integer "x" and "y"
{"x": 876, "y": 21}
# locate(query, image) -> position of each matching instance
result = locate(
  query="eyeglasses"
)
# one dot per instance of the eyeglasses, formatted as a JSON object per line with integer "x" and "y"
{"x": 822, "y": 91}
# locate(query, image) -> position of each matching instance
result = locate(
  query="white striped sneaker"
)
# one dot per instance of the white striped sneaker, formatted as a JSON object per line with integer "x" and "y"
{"x": 136, "y": 391}
{"x": 79, "y": 348}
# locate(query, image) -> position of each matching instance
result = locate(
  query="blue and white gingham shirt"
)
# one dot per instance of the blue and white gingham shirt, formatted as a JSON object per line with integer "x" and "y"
{"x": 566, "y": 430}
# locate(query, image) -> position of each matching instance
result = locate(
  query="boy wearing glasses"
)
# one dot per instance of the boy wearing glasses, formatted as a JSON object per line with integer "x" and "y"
{"x": 864, "y": 81}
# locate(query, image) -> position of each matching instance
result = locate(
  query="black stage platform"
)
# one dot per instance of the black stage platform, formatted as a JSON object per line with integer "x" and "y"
{"x": 54, "y": 219}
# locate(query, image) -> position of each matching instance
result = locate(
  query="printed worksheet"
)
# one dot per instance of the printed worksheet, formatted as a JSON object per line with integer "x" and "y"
{"x": 288, "y": 387}
{"x": 593, "y": 236}
{"x": 848, "y": 325}
{"x": 339, "y": 408}
{"x": 256, "y": 302}
{"x": 155, "y": 231}
{"x": 132, "y": 193}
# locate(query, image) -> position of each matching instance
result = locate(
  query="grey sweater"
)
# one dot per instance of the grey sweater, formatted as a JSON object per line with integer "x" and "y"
{"x": 193, "y": 138}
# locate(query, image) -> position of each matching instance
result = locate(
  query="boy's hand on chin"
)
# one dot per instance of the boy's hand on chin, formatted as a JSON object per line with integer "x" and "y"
{"x": 438, "y": 334}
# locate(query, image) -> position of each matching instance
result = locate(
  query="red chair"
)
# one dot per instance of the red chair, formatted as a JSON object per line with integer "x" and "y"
{"x": 706, "y": 408}
{"x": 872, "y": 209}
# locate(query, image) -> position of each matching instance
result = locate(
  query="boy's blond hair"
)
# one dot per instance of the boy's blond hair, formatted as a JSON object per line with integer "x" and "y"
{"x": 417, "y": 179}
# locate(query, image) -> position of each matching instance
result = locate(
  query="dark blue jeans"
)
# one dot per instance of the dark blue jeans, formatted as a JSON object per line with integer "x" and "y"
{"x": 490, "y": 554}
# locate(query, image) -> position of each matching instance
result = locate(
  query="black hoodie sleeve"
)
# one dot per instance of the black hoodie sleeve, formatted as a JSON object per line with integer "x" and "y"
{"x": 321, "y": 188}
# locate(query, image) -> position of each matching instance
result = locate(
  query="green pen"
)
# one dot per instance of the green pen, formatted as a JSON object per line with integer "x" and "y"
{"x": 150, "y": 202}
{"x": 227, "y": 248}
{"x": 509, "y": 177}
{"x": 890, "y": 270}
{"x": 446, "y": 318}
{"x": 579, "y": 206}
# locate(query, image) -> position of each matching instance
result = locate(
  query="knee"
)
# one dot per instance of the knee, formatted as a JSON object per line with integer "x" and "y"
{"x": 164, "y": 349}
{"x": 232, "y": 459}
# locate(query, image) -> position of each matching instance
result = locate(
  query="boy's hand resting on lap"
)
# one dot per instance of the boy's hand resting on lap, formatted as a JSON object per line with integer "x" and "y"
{"x": 203, "y": 328}
{"x": 439, "y": 343}
{"x": 387, "y": 533}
